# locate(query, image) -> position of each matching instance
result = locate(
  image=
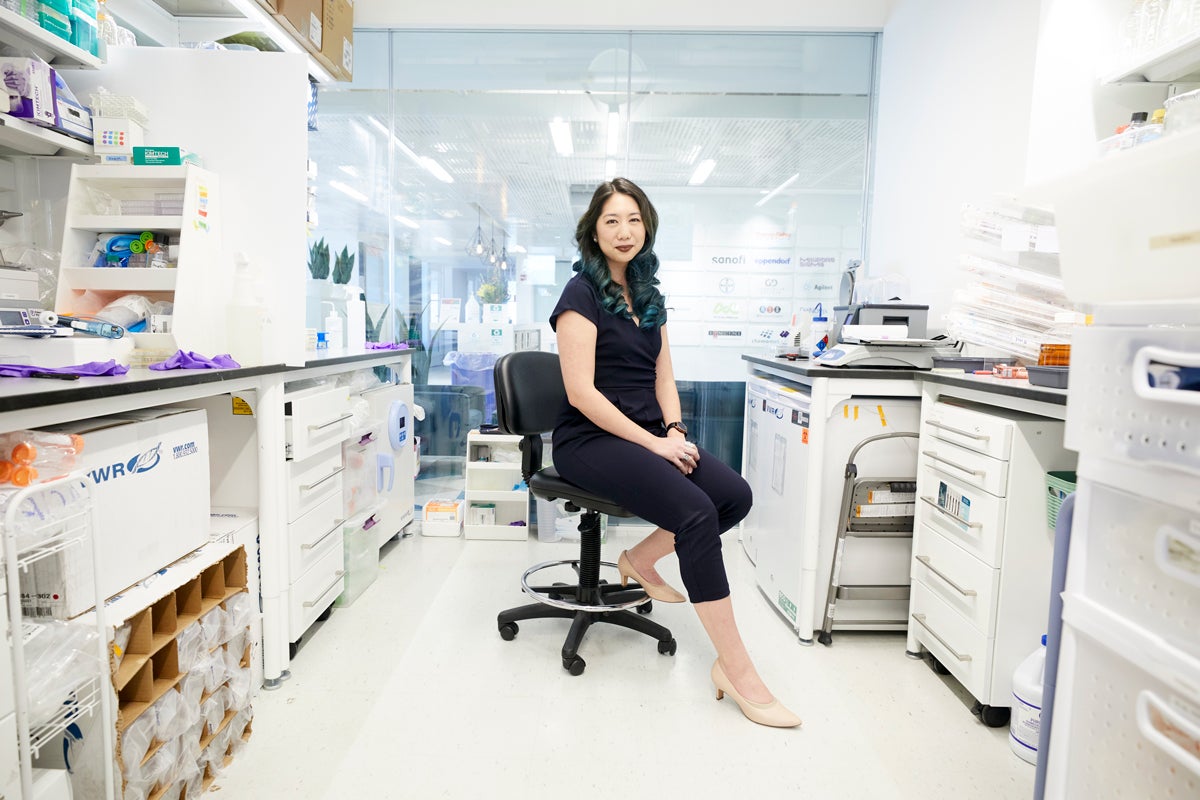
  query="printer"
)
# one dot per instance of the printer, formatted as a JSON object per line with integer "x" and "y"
{"x": 882, "y": 335}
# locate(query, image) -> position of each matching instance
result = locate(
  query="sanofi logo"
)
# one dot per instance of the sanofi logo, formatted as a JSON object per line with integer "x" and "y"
{"x": 143, "y": 462}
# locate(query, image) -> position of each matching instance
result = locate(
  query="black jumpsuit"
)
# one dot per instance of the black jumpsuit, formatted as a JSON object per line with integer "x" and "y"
{"x": 698, "y": 507}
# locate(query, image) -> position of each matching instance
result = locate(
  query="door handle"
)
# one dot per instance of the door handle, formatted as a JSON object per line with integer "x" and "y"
{"x": 964, "y": 592}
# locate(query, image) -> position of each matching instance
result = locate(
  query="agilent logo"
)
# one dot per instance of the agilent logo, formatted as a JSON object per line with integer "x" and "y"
{"x": 143, "y": 462}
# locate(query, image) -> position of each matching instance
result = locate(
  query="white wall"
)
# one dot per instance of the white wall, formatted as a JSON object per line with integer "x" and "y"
{"x": 955, "y": 89}
{"x": 658, "y": 14}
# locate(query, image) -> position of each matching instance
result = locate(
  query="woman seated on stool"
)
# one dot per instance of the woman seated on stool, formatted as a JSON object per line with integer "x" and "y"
{"x": 620, "y": 434}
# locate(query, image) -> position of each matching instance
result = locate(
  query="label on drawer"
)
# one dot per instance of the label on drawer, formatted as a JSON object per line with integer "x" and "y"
{"x": 954, "y": 503}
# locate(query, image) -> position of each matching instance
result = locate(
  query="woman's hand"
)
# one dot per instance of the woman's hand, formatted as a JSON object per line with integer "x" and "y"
{"x": 683, "y": 454}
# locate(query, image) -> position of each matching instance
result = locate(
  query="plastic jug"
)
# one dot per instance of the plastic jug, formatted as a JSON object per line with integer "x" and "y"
{"x": 818, "y": 333}
{"x": 1026, "y": 721}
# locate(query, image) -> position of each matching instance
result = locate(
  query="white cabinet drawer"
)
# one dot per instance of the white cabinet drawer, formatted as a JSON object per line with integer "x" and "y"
{"x": 961, "y": 647}
{"x": 315, "y": 419}
{"x": 964, "y": 465}
{"x": 314, "y": 533}
{"x": 313, "y": 480}
{"x": 967, "y": 516}
{"x": 974, "y": 430}
{"x": 315, "y": 591}
{"x": 965, "y": 583}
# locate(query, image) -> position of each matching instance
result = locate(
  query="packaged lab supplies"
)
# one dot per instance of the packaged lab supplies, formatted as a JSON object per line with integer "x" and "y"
{"x": 28, "y": 84}
{"x": 151, "y": 507}
{"x": 117, "y": 136}
{"x": 165, "y": 157}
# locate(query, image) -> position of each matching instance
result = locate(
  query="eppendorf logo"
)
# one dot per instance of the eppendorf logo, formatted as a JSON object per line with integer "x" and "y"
{"x": 138, "y": 464}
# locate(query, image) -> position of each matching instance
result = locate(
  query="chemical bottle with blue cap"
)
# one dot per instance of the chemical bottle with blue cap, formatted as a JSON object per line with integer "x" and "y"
{"x": 818, "y": 333}
{"x": 1025, "y": 724}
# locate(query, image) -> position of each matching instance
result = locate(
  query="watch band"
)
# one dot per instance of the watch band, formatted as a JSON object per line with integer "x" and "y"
{"x": 679, "y": 426}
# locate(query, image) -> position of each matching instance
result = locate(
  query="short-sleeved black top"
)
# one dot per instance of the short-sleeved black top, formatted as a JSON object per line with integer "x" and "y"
{"x": 626, "y": 359}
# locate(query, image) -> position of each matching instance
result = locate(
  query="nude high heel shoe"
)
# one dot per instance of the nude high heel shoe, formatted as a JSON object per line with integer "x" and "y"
{"x": 773, "y": 714}
{"x": 656, "y": 591}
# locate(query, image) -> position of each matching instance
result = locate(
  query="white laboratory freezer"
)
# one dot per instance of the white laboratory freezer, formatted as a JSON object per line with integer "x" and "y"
{"x": 795, "y": 466}
{"x": 393, "y": 404}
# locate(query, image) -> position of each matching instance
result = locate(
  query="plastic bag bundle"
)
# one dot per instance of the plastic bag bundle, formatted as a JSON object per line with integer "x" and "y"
{"x": 160, "y": 769}
{"x": 212, "y": 710}
{"x": 237, "y": 729}
{"x": 233, "y": 662}
{"x": 212, "y": 667}
{"x": 188, "y": 766}
{"x": 221, "y": 740}
{"x": 135, "y": 743}
{"x": 59, "y": 658}
{"x": 237, "y": 644}
{"x": 194, "y": 786}
{"x": 120, "y": 642}
{"x": 213, "y": 626}
{"x": 166, "y": 709}
{"x": 191, "y": 686}
{"x": 239, "y": 689}
{"x": 242, "y": 610}
{"x": 214, "y": 758}
{"x": 191, "y": 644}
{"x": 174, "y": 792}
{"x": 138, "y": 789}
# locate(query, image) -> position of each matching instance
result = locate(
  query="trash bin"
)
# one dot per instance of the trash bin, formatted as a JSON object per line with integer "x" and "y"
{"x": 475, "y": 369}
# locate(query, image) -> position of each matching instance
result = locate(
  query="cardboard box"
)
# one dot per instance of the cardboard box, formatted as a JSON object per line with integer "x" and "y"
{"x": 29, "y": 88}
{"x": 305, "y": 17}
{"x": 151, "y": 498}
{"x": 338, "y": 37}
{"x": 117, "y": 135}
{"x": 164, "y": 157}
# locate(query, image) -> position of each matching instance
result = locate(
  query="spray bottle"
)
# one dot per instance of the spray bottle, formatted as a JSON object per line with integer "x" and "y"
{"x": 334, "y": 332}
{"x": 818, "y": 333}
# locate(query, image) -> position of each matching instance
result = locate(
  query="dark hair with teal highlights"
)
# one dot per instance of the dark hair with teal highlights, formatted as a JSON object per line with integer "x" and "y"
{"x": 642, "y": 272}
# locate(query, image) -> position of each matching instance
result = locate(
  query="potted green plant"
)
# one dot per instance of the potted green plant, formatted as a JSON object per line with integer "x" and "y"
{"x": 343, "y": 267}
{"x": 493, "y": 294}
{"x": 318, "y": 260}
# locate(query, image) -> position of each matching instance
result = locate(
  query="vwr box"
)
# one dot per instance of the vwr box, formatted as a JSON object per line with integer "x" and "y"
{"x": 151, "y": 497}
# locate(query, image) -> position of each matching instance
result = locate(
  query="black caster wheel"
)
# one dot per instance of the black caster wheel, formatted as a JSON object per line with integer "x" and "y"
{"x": 992, "y": 716}
{"x": 574, "y": 665}
{"x": 646, "y": 607}
{"x": 508, "y": 631}
{"x": 825, "y": 638}
{"x": 293, "y": 648}
{"x": 667, "y": 648}
{"x": 938, "y": 667}
{"x": 326, "y": 614}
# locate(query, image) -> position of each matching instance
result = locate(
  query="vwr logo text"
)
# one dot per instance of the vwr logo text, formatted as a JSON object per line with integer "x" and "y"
{"x": 138, "y": 464}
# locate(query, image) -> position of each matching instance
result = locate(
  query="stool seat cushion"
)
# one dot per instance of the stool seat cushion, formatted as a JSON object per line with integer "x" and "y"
{"x": 547, "y": 485}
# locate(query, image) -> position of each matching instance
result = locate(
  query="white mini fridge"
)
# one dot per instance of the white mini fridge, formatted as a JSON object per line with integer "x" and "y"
{"x": 392, "y": 404}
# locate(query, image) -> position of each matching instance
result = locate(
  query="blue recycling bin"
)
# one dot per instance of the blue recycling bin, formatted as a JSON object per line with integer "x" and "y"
{"x": 475, "y": 369}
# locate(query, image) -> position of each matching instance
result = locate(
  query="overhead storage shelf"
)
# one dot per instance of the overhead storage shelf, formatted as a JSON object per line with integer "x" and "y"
{"x": 25, "y": 35}
{"x": 1172, "y": 61}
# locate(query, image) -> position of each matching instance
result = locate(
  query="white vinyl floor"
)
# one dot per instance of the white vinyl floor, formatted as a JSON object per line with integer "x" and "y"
{"x": 411, "y": 693}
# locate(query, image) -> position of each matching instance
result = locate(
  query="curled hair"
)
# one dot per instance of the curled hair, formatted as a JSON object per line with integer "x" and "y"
{"x": 642, "y": 272}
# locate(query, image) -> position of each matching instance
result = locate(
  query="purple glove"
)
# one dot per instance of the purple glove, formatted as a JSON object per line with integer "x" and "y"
{"x": 90, "y": 369}
{"x": 387, "y": 346}
{"x": 193, "y": 360}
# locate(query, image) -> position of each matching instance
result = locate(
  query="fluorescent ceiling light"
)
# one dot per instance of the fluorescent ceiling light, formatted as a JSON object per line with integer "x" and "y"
{"x": 443, "y": 241}
{"x": 614, "y": 132}
{"x": 690, "y": 158}
{"x": 610, "y": 169}
{"x": 435, "y": 169}
{"x": 560, "y": 132}
{"x": 349, "y": 170}
{"x": 766, "y": 198}
{"x": 407, "y": 222}
{"x": 702, "y": 171}
{"x": 517, "y": 248}
{"x": 350, "y": 191}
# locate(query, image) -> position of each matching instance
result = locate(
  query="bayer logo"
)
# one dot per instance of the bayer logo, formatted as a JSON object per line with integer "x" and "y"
{"x": 726, "y": 285}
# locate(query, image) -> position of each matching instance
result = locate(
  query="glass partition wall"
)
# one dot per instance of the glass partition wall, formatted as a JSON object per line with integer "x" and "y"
{"x": 455, "y": 167}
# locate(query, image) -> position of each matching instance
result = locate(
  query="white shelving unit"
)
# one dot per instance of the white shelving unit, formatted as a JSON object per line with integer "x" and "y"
{"x": 69, "y": 527}
{"x": 199, "y": 284}
{"x": 24, "y": 34}
{"x": 494, "y": 479}
{"x": 1169, "y": 61}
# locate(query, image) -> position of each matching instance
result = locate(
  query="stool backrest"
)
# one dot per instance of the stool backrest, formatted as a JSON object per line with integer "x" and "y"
{"x": 529, "y": 397}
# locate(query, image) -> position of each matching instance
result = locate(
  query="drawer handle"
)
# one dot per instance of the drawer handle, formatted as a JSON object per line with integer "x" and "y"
{"x": 309, "y": 487}
{"x": 1161, "y": 356}
{"x": 982, "y": 437}
{"x": 324, "y": 425}
{"x": 1178, "y": 554}
{"x": 1168, "y": 730}
{"x": 378, "y": 388}
{"x": 964, "y": 592}
{"x": 960, "y": 656}
{"x": 947, "y": 462}
{"x": 954, "y": 517}
{"x": 324, "y": 536}
{"x": 340, "y": 574}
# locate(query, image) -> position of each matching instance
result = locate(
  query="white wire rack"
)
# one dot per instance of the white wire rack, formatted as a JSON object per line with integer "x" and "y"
{"x": 40, "y": 521}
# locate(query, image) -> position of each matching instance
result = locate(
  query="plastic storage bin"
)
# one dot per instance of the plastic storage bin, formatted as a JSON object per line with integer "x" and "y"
{"x": 362, "y": 558}
{"x": 475, "y": 369}
{"x": 1059, "y": 484}
{"x": 1050, "y": 377}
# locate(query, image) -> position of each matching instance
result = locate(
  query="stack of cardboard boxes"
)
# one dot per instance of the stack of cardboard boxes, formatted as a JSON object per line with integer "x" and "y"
{"x": 324, "y": 27}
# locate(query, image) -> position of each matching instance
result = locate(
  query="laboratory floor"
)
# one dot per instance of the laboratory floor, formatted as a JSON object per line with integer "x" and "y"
{"x": 411, "y": 693}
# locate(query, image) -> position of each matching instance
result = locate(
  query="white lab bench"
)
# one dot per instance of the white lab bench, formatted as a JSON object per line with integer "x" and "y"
{"x": 32, "y": 403}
